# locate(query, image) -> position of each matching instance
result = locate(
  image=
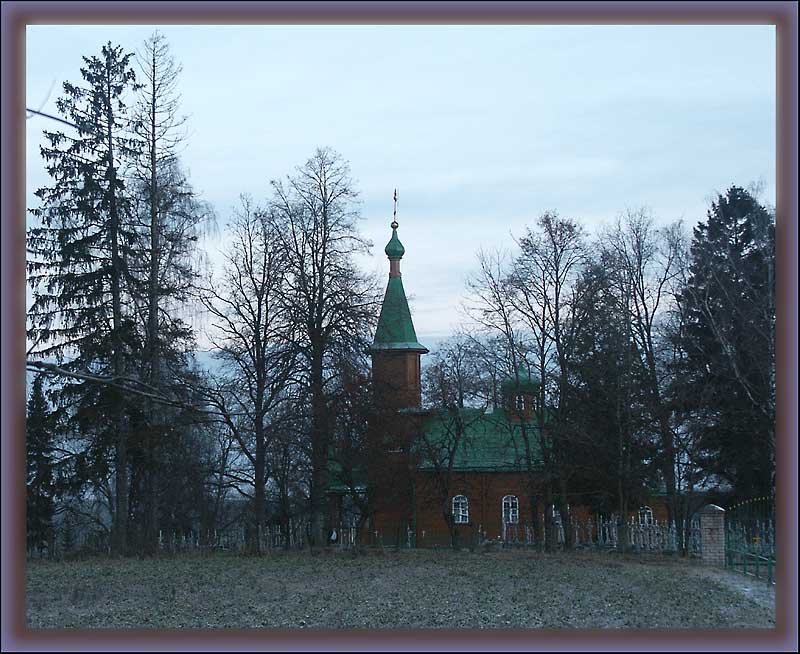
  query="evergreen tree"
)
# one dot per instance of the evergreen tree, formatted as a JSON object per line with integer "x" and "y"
{"x": 609, "y": 396}
{"x": 40, "y": 482}
{"x": 729, "y": 341}
{"x": 79, "y": 256}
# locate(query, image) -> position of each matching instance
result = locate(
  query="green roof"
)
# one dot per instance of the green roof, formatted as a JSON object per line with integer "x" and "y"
{"x": 490, "y": 441}
{"x": 395, "y": 329}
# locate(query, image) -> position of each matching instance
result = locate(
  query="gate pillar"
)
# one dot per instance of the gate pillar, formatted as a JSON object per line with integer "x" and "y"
{"x": 712, "y": 534}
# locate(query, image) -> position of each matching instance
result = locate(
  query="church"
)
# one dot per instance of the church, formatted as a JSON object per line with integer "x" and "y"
{"x": 435, "y": 475}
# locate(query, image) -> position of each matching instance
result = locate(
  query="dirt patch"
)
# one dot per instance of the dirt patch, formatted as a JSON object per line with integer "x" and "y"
{"x": 399, "y": 590}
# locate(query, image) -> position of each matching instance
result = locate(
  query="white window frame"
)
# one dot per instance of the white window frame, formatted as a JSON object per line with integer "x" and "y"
{"x": 460, "y": 509}
{"x": 646, "y": 515}
{"x": 510, "y": 507}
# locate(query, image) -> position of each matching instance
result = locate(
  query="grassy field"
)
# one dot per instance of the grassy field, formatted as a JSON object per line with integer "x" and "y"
{"x": 406, "y": 589}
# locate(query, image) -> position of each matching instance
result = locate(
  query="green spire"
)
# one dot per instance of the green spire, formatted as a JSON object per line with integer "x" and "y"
{"x": 395, "y": 329}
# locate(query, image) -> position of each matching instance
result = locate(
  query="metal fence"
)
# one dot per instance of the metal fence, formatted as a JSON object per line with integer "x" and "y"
{"x": 234, "y": 539}
{"x": 600, "y": 532}
{"x": 652, "y": 536}
{"x": 750, "y": 538}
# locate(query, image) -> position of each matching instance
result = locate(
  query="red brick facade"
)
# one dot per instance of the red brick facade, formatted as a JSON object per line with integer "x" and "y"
{"x": 396, "y": 376}
{"x": 485, "y": 492}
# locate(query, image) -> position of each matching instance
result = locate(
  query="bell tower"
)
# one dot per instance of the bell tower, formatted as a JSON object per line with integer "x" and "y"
{"x": 396, "y": 382}
{"x": 395, "y": 349}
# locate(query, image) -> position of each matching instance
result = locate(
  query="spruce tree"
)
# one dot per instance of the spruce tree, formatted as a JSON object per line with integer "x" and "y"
{"x": 79, "y": 255}
{"x": 614, "y": 448}
{"x": 729, "y": 341}
{"x": 40, "y": 482}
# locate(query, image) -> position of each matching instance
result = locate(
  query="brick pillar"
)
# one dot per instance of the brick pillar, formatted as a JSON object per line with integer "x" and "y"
{"x": 712, "y": 534}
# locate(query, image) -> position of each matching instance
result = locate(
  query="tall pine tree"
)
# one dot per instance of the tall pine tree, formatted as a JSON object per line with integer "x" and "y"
{"x": 79, "y": 255}
{"x": 729, "y": 341}
{"x": 40, "y": 482}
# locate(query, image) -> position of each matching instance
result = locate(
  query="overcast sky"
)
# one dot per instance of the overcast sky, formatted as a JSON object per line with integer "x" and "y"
{"x": 480, "y": 128}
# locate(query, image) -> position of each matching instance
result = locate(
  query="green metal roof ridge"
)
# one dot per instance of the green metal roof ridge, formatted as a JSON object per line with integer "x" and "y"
{"x": 395, "y": 330}
{"x": 411, "y": 346}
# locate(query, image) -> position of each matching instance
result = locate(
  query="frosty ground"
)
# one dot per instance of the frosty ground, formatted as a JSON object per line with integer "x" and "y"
{"x": 394, "y": 589}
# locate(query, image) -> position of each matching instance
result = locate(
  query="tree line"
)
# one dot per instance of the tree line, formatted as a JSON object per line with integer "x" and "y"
{"x": 657, "y": 357}
{"x": 655, "y": 354}
{"x": 143, "y": 438}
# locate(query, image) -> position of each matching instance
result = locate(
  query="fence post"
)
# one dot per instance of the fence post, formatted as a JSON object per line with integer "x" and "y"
{"x": 712, "y": 534}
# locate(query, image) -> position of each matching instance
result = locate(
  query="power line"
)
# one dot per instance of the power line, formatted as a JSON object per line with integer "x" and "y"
{"x": 51, "y": 117}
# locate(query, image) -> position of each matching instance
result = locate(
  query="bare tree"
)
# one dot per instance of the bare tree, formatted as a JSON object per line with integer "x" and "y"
{"x": 170, "y": 220}
{"x": 648, "y": 262}
{"x": 253, "y": 334}
{"x": 491, "y": 303}
{"x": 330, "y": 304}
{"x": 449, "y": 385}
{"x": 287, "y": 458}
{"x": 355, "y": 410}
{"x": 548, "y": 297}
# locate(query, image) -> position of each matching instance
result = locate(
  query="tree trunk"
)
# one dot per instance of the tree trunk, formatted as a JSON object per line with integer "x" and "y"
{"x": 622, "y": 522}
{"x": 259, "y": 502}
{"x": 667, "y": 441}
{"x": 319, "y": 452}
{"x": 153, "y": 442}
{"x": 120, "y": 522}
{"x": 566, "y": 518}
{"x": 534, "y": 515}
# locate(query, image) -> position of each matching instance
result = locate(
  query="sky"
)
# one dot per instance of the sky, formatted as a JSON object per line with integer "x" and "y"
{"x": 480, "y": 128}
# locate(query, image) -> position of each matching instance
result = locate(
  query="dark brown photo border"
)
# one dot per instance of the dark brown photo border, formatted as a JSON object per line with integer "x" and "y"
{"x": 17, "y": 15}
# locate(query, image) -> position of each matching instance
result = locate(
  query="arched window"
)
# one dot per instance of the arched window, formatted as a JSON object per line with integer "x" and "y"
{"x": 510, "y": 510}
{"x": 460, "y": 509}
{"x": 645, "y": 515}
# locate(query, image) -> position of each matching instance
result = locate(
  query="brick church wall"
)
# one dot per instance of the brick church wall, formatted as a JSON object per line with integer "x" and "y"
{"x": 485, "y": 492}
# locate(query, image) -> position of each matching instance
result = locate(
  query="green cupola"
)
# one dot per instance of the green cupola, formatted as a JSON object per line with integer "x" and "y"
{"x": 523, "y": 381}
{"x": 394, "y": 248}
{"x": 395, "y": 329}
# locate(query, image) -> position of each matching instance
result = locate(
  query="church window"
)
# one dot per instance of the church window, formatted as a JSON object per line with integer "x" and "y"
{"x": 510, "y": 510}
{"x": 645, "y": 515}
{"x": 460, "y": 510}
